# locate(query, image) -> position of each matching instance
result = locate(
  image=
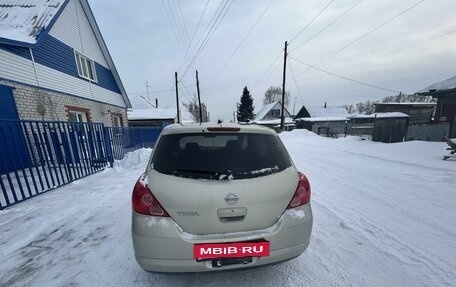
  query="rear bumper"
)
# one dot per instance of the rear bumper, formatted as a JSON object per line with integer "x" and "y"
{"x": 161, "y": 246}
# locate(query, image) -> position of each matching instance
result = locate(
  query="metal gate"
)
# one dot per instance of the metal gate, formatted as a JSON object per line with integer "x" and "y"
{"x": 37, "y": 156}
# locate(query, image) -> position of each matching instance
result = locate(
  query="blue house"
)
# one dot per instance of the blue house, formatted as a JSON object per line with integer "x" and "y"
{"x": 54, "y": 64}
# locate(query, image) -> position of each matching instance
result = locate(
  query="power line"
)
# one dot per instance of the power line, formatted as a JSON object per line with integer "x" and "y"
{"x": 327, "y": 26}
{"x": 388, "y": 54}
{"x": 212, "y": 30}
{"x": 296, "y": 84}
{"x": 183, "y": 20}
{"x": 218, "y": 24}
{"x": 367, "y": 33}
{"x": 177, "y": 21}
{"x": 193, "y": 36}
{"x": 272, "y": 65}
{"x": 185, "y": 88}
{"x": 269, "y": 69}
{"x": 200, "y": 41}
{"x": 242, "y": 41}
{"x": 313, "y": 19}
{"x": 152, "y": 92}
{"x": 206, "y": 30}
{"x": 172, "y": 27}
{"x": 345, "y": 78}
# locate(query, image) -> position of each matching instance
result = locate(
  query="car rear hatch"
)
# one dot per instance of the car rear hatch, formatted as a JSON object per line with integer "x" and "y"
{"x": 214, "y": 183}
{"x": 221, "y": 206}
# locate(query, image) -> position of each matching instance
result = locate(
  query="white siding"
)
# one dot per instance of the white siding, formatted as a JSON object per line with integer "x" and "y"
{"x": 55, "y": 80}
{"x": 16, "y": 68}
{"x": 20, "y": 69}
{"x": 106, "y": 96}
{"x": 77, "y": 34}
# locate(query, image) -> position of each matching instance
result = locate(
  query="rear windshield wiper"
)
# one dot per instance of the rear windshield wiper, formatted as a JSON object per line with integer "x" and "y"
{"x": 206, "y": 173}
{"x": 261, "y": 172}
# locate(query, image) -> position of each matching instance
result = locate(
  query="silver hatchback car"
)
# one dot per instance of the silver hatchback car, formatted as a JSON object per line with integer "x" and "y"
{"x": 219, "y": 197}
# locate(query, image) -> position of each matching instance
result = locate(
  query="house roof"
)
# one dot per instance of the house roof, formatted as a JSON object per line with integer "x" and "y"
{"x": 24, "y": 21}
{"x": 321, "y": 111}
{"x": 151, "y": 114}
{"x": 380, "y": 116}
{"x": 407, "y": 104}
{"x": 265, "y": 110}
{"x": 440, "y": 93}
{"x": 446, "y": 84}
{"x": 273, "y": 121}
{"x": 27, "y": 22}
{"x": 323, "y": 119}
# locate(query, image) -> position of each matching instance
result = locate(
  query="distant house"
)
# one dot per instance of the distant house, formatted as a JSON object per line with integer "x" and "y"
{"x": 55, "y": 65}
{"x": 271, "y": 111}
{"x": 446, "y": 108}
{"x": 323, "y": 120}
{"x": 153, "y": 117}
{"x": 270, "y": 115}
{"x": 380, "y": 127}
{"x": 418, "y": 112}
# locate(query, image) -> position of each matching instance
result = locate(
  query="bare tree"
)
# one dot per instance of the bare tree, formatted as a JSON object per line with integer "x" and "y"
{"x": 194, "y": 110}
{"x": 350, "y": 108}
{"x": 368, "y": 107}
{"x": 274, "y": 94}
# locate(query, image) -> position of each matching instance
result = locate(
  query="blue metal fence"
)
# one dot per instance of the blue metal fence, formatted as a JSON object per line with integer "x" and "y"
{"x": 37, "y": 156}
{"x": 128, "y": 139}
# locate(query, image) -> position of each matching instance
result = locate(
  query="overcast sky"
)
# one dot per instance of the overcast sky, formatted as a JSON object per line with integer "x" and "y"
{"x": 148, "y": 39}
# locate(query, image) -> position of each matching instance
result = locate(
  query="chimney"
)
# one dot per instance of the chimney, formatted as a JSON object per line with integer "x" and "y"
{"x": 325, "y": 105}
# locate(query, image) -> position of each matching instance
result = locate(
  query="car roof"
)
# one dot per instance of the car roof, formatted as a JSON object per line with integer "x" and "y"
{"x": 216, "y": 128}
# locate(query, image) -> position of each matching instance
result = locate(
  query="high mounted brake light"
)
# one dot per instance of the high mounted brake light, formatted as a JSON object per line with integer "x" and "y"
{"x": 222, "y": 129}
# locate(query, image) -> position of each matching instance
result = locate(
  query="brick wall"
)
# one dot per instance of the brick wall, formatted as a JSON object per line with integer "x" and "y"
{"x": 39, "y": 104}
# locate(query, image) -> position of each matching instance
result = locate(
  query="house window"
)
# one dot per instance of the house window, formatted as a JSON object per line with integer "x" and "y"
{"x": 275, "y": 113}
{"x": 86, "y": 67}
{"x": 78, "y": 114}
{"x": 117, "y": 124}
{"x": 79, "y": 117}
{"x": 117, "y": 121}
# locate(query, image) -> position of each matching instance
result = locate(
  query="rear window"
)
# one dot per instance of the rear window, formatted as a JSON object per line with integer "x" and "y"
{"x": 220, "y": 156}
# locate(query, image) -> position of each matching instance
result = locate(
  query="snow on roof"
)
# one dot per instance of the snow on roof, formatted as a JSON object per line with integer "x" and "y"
{"x": 323, "y": 119}
{"x": 265, "y": 110}
{"x": 449, "y": 83}
{"x": 151, "y": 114}
{"x": 320, "y": 111}
{"x": 274, "y": 121}
{"x": 380, "y": 115}
{"x": 407, "y": 104}
{"x": 23, "y": 20}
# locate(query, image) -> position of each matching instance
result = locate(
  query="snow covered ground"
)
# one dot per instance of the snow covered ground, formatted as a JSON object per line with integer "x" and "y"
{"x": 384, "y": 215}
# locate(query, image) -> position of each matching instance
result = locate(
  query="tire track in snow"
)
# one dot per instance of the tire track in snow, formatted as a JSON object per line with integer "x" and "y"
{"x": 317, "y": 161}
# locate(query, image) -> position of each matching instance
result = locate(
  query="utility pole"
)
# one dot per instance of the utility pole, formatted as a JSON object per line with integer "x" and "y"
{"x": 282, "y": 117}
{"x": 177, "y": 98}
{"x": 294, "y": 106}
{"x": 199, "y": 98}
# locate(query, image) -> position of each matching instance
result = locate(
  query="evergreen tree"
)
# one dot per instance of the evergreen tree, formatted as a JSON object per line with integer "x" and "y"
{"x": 245, "y": 109}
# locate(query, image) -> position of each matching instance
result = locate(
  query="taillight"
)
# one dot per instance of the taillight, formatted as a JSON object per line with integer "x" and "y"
{"x": 144, "y": 201}
{"x": 302, "y": 193}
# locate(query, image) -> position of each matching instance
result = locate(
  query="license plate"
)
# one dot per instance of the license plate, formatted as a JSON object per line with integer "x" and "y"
{"x": 231, "y": 250}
